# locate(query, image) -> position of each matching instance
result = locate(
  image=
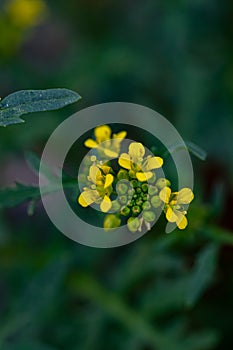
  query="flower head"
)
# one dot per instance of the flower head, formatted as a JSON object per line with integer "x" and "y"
{"x": 134, "y": 160}
{"x": 174, "y": 205}
{"x": 25, "y": 13}
{"x": 106, "y": 144}
{"x": 100, "y": 189}
{"x": 129, "y": 192}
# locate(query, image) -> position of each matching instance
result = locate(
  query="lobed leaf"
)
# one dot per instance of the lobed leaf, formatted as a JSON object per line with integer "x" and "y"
{"x": 13, "y": 196}
{"x": 29, "y": 101}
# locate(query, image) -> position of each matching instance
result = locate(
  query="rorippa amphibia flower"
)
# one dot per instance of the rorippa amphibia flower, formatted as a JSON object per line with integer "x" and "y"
{"x": 174, "y": 205}
{"x": 100, "y": 190}
{"x": 138, "y": 166}
{"x": 25, "y": 13}
{"x": 107, "y": 145}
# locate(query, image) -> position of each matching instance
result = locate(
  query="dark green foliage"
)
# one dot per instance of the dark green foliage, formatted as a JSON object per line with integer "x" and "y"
{"x": 176, "y": 58}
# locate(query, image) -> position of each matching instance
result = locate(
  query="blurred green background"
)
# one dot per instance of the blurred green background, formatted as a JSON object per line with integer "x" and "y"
{"x": 163, "y": 291}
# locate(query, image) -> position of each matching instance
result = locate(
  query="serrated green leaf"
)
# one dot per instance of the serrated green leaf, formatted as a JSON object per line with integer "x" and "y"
{"x": 202, "y": 274}
{"x": 29, "y": 101}
{"x": 20, "y": 193}
{"x": 7, "y": 118}
{"x": 13, "y": 196}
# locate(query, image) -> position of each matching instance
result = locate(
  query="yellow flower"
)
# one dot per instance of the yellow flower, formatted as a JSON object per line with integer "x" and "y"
{"x": 174, "y": 202}
{"x": 25, "y": 13}
{"x": 100, "y": 190}
{"x": 134, "y": 160}
{"x": 110, "y": 146}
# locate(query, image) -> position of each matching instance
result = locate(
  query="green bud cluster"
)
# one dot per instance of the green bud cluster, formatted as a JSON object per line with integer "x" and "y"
{"x": 145, "y": 201}
{"x": 135, "y": 198}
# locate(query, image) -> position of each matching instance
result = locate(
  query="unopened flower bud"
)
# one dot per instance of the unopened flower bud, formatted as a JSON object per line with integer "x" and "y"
{"x": 152, "y": 179}
{"x": 148, "y": 215}
{"x": 134, "y": 183}
{"x": 136, "y": 210}
{"x": 121, "y": 188}
{"x": 93, "y": 158}
{"x": 145, "y": 187}
{"x": 131, "y": 192}
{"x": 123, "y": 199}
{"x": 131, "y": 203}
{"x": 122, "y": 174}
{"x": 132, "y": 174}
{"x": 115, "y": 206}
{"x": 156, "y": 201}
{"x": 145, "y": 197}
{"x": 125, "y": 211}
{"x": 162, "y": 182}
{"x": 139, "y": 201}
{"x": 111, "y": 221}
{"x": 152, "y": 190}
{"x": 133, "y": 224}
{"x": 146, "y": 205}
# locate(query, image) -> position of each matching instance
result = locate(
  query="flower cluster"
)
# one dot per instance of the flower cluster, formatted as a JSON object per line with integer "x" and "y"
{"x": 17, "y": 18}
{"x": 132, "y": 192}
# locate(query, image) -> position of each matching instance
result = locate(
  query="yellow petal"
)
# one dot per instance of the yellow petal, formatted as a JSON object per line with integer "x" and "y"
{"x": 106, "y": 204}
{"x": 152, "y": 163}
{"x": 136, "y": 151}
{"x": 87, "y": 197}
{"x": 105, "y": 169}
{"x": 165, "y": 194}
{"x": 108, "y": 180}
{"x": 121, "y": 135}
{"x": 144, "y": 176}
{"x": 185, "y": 196}
{"x": 181, "y": 221}
{"x": 94, "y": 173}
{"x": 110, "y": 153}
{"x": 82, "y": 201}
{"x": 170, "y": 215}
{"x": 90, "y": 143}
{"x": 102, "y": 133}
{"x": 124, "y": 161}
{"x": 25, "y": 13}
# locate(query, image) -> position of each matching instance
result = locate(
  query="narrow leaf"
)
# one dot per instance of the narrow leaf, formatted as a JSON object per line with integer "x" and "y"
{"x": 190, "y": 146}
{"x": 31, "y": 208}
{"x": 202, "y": 274}
{"x": 196, "y": 150}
